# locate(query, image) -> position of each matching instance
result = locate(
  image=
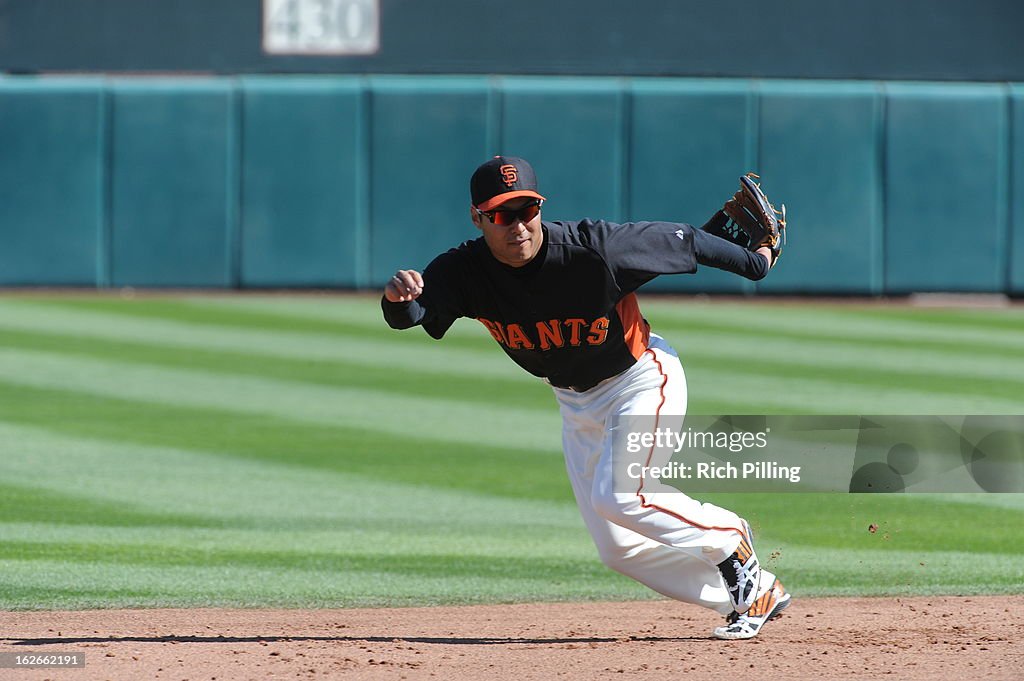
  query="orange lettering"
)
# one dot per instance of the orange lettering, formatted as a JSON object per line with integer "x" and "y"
{"x": 598, "y": 331}
{"x": 517, "y": 337}
{"x": 494, "y": 328}
{"x": 575, "y": 326}
{"x": 550, "y": 333}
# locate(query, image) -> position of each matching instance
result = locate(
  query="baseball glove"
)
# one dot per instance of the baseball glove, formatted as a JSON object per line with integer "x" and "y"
{"x": 750, "y": 220}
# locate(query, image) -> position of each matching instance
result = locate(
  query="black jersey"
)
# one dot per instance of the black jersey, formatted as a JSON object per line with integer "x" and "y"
{"x": 570, "y": 315}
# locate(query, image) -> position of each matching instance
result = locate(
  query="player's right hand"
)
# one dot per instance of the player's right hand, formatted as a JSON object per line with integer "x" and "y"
{"x": 404, "y": 286}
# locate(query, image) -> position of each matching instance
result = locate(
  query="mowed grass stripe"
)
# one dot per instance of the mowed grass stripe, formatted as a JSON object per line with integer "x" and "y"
{"x": 961, "y": 370}
{"x": 365, "y": 311}
{"x": 843, "y": 321}
{"x": 904, "y": 522}
{"x": 980, "y": 319}
{"x": 555, "y": 531}
{"x": 299, "y": 512}
{"x": 715, "y": 359}
{"x": 381, "y": 348}
{"x": 833, "y": 323}
{"x": 803, "y": 333}
{"x": 810, "y": 324}
{"x": 51, "y": 424}
{"x": 555, "y": 535}
{"x": 267, "y": 494}
{"x": 727, "y": 347}
{"x": 262, "y": 320}
{"x": 35, "y": 504}
{"x": 345, "y": 374}
{"x": 795, "y": 331}
{"x": 968, "y": 364}
{"x": 778, "y": 392}
{"x": 1011, "y": 501}
{"x": 409, "y": 564}
{"x": 202, "y": 485}
{"x": 883, "y": 572}
{"x": 872, "y": 366}
{"x": 112, "y": 585}
{"x": 173, "y": 309}
{"x": 388, "y": 413}
{"x": 47, "y": 597}
{"x": 964, "y": 373}
{"x": 270, "y": 494}
{"x": 244, "y": 585}
{"x": 938, "y": 568}
{"x": 798, "y": 366}
{"x": 436, "y": 419}
{"x": 353, "y": 309}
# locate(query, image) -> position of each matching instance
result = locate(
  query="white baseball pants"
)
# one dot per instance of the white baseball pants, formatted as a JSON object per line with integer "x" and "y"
{"x": 654, "y": 534}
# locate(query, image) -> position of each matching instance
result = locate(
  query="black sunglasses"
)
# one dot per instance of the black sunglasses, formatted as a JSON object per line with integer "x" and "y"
{"x": 504, "y": 217}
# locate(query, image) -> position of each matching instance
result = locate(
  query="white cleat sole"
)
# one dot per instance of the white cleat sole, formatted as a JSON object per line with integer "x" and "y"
{"x": 767, "y": 607}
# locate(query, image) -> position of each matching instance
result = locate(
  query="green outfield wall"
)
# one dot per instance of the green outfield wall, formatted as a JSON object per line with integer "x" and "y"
{"x": 335, "y": 181}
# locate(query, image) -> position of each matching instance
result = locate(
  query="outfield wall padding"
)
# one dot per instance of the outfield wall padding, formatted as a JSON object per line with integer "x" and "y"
{"x": 426, "y": 138}
{"x": 573, "y": 129}
{"x": 687, "y": 138}
{"x": 52, "y": 182}
{"x": 946, "y": 188}
{"x": 819, "y": 149}
{"x": 173, "y": 183}
{"x": 303, "y": 206}
{"x": 1016, "y": 262}
{"x": 336, "y": 181}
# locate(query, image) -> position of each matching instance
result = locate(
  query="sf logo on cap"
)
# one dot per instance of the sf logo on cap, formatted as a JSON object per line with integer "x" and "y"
{"x": 509, "y": 174}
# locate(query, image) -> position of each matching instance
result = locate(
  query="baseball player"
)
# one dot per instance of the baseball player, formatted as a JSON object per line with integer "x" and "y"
{"x": 559, "y": 298}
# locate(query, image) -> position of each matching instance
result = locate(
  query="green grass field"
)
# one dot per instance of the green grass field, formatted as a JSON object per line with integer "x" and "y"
{"x": 294, "y": 451}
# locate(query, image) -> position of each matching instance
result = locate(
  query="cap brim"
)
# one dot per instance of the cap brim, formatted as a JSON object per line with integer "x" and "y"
{"x": 508, "y": 196}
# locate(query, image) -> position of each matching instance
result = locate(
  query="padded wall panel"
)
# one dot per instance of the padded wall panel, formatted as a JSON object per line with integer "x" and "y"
{"x": 946, "y": 188}
{"x": 820, "y": 153}
{"x": 1016, "y": 265}
{"x": 303, "y": 218}
{"x": 174, "y": 191}
{"x": 572, "y": 131}
{"x": 51, "y": 182}
{"x": 689, "y": 140}
{"x": 428, "y": 135}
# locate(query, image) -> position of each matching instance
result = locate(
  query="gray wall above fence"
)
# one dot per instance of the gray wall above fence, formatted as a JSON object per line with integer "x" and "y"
{"x": 864, "y": 39}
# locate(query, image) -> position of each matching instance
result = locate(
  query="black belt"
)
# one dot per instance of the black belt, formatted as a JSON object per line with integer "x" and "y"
{"x": 588, "y": 386}
{"x": 578, "y": 388}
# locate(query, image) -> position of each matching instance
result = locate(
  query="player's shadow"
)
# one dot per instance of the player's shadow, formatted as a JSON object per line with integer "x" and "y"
{"x": 442, "y": 640}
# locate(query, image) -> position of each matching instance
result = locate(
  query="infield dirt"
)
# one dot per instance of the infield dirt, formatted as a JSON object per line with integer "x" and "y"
{"x": 899, "y": 638}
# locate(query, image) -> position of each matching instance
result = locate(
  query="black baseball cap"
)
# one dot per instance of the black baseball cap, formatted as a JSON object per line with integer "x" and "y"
{"x": 500, "y": 179}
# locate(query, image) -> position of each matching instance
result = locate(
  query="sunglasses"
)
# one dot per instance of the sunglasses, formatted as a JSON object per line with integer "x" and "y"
{"x": 503, "y": 217}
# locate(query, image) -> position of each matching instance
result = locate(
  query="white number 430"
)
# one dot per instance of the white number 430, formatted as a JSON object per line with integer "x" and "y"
{"x": 327, "y": 27}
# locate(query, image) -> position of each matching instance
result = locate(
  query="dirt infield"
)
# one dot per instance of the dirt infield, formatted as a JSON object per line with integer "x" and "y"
{"x": 899, "y": 638}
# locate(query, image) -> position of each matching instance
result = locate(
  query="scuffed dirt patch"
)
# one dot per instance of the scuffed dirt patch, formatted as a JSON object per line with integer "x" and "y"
{"x": 899, "y": 638}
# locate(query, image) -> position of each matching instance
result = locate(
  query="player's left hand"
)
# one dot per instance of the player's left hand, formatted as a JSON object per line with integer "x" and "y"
{"x": 751, "y": 211}
{"x": 749, "y": 220}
